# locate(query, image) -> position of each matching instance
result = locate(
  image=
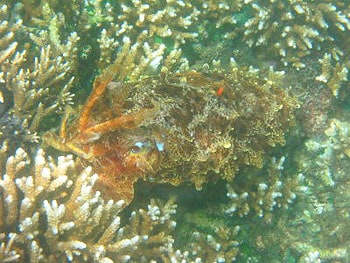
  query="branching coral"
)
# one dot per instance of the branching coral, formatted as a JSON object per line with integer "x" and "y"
{"x": 176, "y": 19}
{"x": 33, "y": 89}
{"x": 295, "y": 29}
{"x": 38, "y": 88}
{"x": 332, "y": 153}
{"x": 7, "y": 32}
{"x": 6, "y": 252}
{"x": 332, "y": 75}
{"x": 219, "y": 244}
{"x": 261, "y": 194}
{"x": 173, "y": 126}
{"x": 50, "y": 212}
{"x": 325, "y": 162}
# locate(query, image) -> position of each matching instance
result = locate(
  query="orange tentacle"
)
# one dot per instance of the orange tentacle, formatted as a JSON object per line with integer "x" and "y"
{"x": 63, "y": 129}
{"x": 125, "y": 121}
{"x": 99, "y": 88}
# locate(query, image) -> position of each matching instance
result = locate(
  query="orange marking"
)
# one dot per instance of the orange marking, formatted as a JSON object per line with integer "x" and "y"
{"x": 220, "y": 91}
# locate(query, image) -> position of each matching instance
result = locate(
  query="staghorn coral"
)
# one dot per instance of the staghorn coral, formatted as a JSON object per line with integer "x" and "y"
{"x": 50, "y": 213}
{"x": 262, "y": 193}
{"x": 175, "y": 24}
{"x": 169, "y": 21}
{"x": 317, "y": 229}
{"x": 320, "y": 231}
{"x": 48, "y": 30}
{"x": 175, "y": 19}
{"x": 6, "y": 252}
{"x": 153, "y": 54}
{"x": 295, "y": 30}
{"x": 100, "y": 36}
{"x": 332, "y": 75}
{"x": 332, "y": 153}
{"x": 32, "y": 88}
{"x": 38, "y": 85}
{"x": 216, "y": 237}
{"x": 314, "y": 227}
{"x": 7, "y": 32}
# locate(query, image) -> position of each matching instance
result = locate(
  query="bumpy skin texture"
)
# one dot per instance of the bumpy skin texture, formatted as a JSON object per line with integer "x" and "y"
{"x": 178, "y": 127}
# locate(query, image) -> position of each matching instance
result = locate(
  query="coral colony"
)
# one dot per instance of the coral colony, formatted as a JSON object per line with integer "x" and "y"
{"x": 174, "y": 131}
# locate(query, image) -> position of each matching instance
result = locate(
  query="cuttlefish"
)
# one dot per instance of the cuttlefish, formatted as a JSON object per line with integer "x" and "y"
{"x": 175, "y": 128}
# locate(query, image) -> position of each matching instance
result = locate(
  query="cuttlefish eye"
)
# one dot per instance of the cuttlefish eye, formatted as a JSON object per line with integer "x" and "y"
{"x": 140, "y": 147}
{"x": 143, "y": 155}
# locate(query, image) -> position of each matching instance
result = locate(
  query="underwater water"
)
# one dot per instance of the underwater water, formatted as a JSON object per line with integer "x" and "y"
{"x": 174, "y": 131}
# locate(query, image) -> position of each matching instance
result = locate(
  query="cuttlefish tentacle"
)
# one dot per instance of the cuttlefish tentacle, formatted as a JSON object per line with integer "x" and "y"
{"x": 60, "y": 142}
{"x": 128, "y": 121}
{"x": 100, "y": 85}
{"x": 75, "y": 144}
{"x": 50, "y": 138}
{"x": 63, "y": 129}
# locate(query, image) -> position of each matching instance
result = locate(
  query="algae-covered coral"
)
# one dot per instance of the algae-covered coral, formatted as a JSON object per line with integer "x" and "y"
{"x": 287, "y": 203}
